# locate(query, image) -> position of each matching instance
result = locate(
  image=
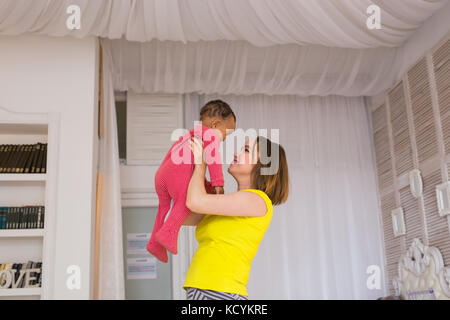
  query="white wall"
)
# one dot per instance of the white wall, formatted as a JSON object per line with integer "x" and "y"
{"x": 424, "y": 39}
{"x": 39, "y": 74}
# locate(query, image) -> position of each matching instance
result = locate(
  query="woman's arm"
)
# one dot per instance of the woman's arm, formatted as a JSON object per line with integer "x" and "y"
{"x": 194, "y": 218}
{"x": 241, "y": 203}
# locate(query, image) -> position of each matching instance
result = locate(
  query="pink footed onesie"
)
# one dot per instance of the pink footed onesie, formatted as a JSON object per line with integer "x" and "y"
{"x": 171, "y": 183}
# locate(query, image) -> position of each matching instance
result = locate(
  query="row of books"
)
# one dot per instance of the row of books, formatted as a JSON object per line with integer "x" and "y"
{"x": 20, "y": 281}
{"x": 27, "y": 217}
{"x": 23, "y": 158}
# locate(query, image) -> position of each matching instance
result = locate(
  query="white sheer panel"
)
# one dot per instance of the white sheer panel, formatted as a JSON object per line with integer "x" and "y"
{"x": 236, "y": 67}
{"x": 334, "y": 23}
{"x": 111, "y": 279}
{"x": 321, "y": 241}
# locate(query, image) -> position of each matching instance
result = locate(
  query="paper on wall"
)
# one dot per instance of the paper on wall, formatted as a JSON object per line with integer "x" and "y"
{"x": 141, "y": 268}
{"x": 137, "y": 243}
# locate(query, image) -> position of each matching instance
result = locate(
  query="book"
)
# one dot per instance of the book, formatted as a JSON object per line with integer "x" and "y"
{"x": 27, "y": 167}
{"x": 38, "y": 219}
{"x": 16, "y": 218}
{"x": 7, "y": 156}
{"x": 4, "y": 159}
{"x": 18, "y": 267}
{"x": 41, "y": 158}
{"x": 23, "y": 158}
{"x": 8, "y": 159}
{"x": 39, "y": 153}
{"x": 42, "y": 218}
{"x": 35, "y": 217}
{"x": 23, "y": 221}
{"x": 25, "y": 217}
{"x": 20, "y": 155}
{"x": 10, "y": 218}
{"x": 14, "y": 159}
{"x": 39, "y": 280}
{"x": 3, "y": 217}
{"x": 35, "y": 158}
{"x": 2, "y": 154}
{"x": 44, "y": 164}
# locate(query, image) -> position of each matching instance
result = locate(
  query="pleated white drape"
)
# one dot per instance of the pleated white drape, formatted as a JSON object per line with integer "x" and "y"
{"x": 110, "y": 279}
{"x": 322, "y": 240}
{"x": 237, "y": 67}
{"x": 334, "y": 23}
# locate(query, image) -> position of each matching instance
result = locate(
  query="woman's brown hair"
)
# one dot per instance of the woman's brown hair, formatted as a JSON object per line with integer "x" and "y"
{"x": 271, "y": 175}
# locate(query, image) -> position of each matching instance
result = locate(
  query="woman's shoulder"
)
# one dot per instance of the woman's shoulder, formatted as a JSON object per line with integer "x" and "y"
{"x": 264, "y": 196}
{"x": 261, "y": 193}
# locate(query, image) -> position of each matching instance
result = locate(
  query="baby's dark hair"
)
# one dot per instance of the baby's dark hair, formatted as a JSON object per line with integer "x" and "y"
{"x": 217, "y": 108}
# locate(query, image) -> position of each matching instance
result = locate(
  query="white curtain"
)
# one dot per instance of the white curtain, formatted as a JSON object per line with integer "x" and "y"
{"x": 300, "y": 47}
{"x": 237, "y": 67}
{"x": 110, "y": 281}
{"x": 334, "y": 23}
{"x": 322, "y": 240}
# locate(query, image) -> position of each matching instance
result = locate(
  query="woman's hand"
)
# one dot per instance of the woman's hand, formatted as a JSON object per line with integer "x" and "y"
{"x": 197, "y": 149}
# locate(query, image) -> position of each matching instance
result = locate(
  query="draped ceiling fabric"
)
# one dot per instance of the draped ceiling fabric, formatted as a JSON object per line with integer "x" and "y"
{"x": 237, "y": 67}
{"x": 301, "y": 47}
{"x": 333, "y": 23}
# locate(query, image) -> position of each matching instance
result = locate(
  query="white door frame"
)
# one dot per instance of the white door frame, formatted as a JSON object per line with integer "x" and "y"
{"x": 138, "y": 190}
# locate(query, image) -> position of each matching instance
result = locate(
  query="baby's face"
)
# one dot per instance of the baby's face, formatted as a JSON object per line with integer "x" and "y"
{"x": 225, "y": 127}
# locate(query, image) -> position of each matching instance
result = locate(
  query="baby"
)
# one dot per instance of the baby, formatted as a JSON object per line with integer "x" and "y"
{"x": 173, "y": 175}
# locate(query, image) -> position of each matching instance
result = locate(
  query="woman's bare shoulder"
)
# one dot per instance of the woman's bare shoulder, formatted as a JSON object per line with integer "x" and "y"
{"x": 258, "y": 202}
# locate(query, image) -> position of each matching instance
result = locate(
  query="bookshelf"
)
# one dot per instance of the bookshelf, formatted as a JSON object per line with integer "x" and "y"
{"x": 23, "y": 177}
{"x": 17, "y": 233}
{"x": 20, "y": 292}
{"x": 30, "y": 189}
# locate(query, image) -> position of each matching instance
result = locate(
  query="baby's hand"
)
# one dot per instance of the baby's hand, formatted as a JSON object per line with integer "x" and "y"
{"x": 219, "y": 190}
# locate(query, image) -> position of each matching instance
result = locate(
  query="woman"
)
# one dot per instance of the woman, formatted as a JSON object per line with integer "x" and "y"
{"x": 231, "y": 226}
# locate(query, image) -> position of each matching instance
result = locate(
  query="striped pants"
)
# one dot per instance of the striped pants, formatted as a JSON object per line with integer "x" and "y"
{"x": 202, "y": 294}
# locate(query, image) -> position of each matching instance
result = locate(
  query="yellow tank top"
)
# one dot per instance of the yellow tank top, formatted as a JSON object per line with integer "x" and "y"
{"x": 227, "y": 245}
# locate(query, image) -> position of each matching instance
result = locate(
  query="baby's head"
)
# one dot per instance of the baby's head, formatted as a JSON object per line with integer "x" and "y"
{"x": 218, "y": 115}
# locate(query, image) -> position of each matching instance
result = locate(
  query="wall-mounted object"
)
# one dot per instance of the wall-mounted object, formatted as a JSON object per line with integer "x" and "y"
{"x": 422, "y": 273}
{"x": 415, "y": 183}
{"x": 443, "y": 198}
{"x": 398, "y": 222}
{"x": 154, "y": 123}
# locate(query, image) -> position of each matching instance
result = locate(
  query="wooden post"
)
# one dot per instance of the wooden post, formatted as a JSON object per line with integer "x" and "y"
{"x": 99, "y": 182}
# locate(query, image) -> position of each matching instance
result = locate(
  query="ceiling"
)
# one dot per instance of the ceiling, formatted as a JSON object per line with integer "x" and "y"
{"x": 334, "y": 23}
{"x": 304, "y": 47}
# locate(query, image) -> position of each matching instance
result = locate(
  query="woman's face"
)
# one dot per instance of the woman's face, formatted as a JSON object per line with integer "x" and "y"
{"x": 245, "y": 160}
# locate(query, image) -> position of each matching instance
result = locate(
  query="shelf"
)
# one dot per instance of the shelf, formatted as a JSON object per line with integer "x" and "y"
{"x": 23, "y": 176}
{"x": 20, "y": 292}
{"x": 25, "y": 189}
{"x": 24, "y": 128}
{"x": 21, "y": 233}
